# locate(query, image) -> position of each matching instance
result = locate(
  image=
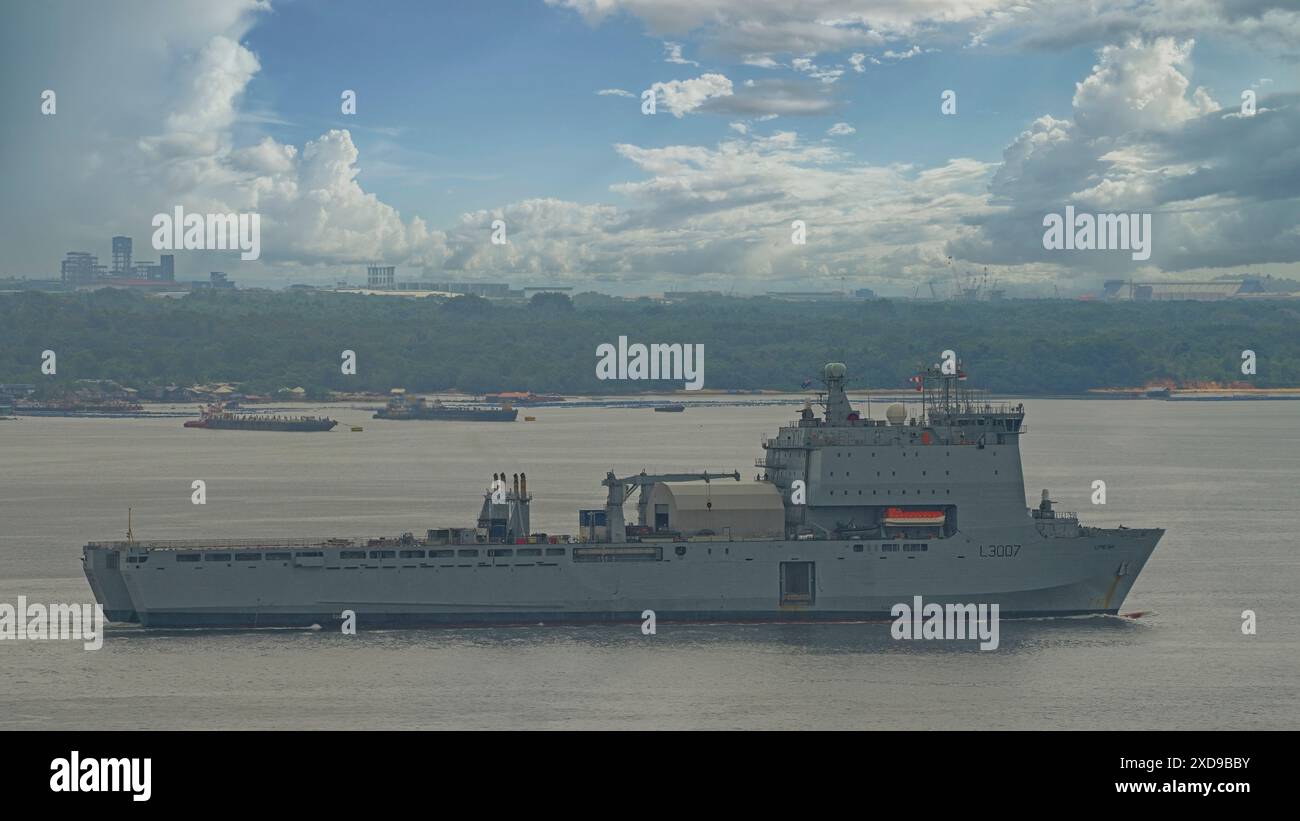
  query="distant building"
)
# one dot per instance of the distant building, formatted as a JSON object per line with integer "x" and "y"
{"x": 16, "y": 391}
{"x": 164, "y": 271}
{"x": 807, "y": 296}
{"x": 121, "y": 257}
{"x": 1128, "y": 290}
{"x": 864, "y": 293}
{"x": 216, "y": 281}
{"x": 80, "y": 267}
{"x": 545, "y": 289}
{"x": 381, "y": 277}
{"x": 682, "y": 296}
{"x": 492, "y": 290}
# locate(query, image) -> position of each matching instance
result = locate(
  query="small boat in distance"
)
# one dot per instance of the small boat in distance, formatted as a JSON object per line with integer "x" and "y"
{"x": 216, "y": 417}
{"x": 522, "y": 398}
{"x": 401, "y": 407}
{"x": 676, "y": 407}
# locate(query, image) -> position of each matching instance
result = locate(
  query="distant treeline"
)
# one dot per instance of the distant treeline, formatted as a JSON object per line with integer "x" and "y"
{"x": 270, "y": 340}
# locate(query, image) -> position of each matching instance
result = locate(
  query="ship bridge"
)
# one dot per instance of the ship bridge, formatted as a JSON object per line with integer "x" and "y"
{"x": 914, "y": 474}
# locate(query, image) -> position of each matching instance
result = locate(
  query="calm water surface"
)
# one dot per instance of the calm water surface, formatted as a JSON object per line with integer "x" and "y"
{"x": 1223, "y": 478}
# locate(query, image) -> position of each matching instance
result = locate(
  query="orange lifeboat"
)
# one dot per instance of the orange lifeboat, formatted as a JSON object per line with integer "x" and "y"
{"x": 897, "y": 517}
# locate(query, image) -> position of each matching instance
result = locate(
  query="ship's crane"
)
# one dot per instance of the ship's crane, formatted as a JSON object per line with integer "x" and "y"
{"x": 621, "y": 489}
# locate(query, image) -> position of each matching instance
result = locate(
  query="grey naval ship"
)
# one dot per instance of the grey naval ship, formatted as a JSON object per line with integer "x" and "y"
{"x": 849, "y": 516}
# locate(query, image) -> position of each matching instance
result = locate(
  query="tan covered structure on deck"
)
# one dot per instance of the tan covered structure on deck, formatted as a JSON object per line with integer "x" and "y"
{"x": 738, "y": 509}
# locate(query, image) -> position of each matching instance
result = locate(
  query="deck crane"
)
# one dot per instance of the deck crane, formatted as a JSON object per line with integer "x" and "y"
{"x": 621, "y": 488}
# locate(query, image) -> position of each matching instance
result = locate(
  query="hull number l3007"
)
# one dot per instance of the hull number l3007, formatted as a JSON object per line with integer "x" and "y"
{"x": 1000, "y": 551}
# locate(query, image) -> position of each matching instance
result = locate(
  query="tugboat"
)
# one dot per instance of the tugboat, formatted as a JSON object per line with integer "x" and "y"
{"x": 216, "y": 417}
{"x": 402, "y": 408}
{"x": 676, "y": 407}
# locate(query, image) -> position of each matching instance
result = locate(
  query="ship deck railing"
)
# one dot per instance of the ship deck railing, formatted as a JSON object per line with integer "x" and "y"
{"x": 228, "y": 544}
{"x": 1067, "y": 516}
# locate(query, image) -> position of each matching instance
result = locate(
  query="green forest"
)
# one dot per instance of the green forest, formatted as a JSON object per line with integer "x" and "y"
{"x": 269, "y": 340}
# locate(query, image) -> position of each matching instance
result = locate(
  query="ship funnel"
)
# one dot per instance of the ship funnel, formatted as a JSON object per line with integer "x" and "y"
{"x": 516, "y": 484}
{"x": 523, "y": 485}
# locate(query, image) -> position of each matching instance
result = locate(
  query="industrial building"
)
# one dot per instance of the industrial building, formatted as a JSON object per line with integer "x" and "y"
{"x": 83, "y": 268}
{"x": 1126, "y": 290}
{"x": 381, "y": 277}
{"x": 121, "y": 256}
{"x": 80, "y": 267}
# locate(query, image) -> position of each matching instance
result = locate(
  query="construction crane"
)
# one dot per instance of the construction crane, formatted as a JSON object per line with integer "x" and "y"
{"x": 621, "y": 488}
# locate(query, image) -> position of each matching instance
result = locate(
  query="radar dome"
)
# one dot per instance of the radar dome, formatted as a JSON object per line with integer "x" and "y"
{"x": 896, "y": 414}
{"x": 834, "y": 370}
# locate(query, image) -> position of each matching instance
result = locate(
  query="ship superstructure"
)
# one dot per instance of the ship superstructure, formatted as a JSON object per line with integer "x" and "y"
{"x": 402, "y": 407}
{"x": 849, "y": 516}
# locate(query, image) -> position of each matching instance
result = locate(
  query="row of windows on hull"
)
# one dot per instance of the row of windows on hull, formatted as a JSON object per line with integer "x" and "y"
{"x": 361, "y": 554}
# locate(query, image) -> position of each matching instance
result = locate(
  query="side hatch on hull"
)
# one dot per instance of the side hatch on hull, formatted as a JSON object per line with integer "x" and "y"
{"x": 798, "y": 583}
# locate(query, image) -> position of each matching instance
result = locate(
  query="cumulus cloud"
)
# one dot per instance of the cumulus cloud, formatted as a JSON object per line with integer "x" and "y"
{"x": 1139, "y": 137}
{"x": 1223, "y": 189}
{"x": 680, "y": 97}
{"x": 312, "y": 208}
{"x": 700, "y": 212}
{"x": 767, "y": 28}
{"x": 1139, "y": 85}
{"x": 186, "y": 100}
{"x": 770, "y": 27}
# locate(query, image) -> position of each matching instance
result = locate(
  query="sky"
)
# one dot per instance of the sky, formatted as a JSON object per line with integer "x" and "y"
{"x": 767, "y": 112}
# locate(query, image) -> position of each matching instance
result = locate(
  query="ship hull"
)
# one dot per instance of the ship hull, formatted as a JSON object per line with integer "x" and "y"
{"x": 290, "y": 427}
{"x": 712, "y": 581}
{"x": 492, "y": 415}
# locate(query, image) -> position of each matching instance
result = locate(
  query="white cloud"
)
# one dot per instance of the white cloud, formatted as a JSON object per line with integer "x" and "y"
{"x": 841, "y": 130}
{"x": 756, "y": 28}
{"x": 1139, "y": 86}
{"x": 769, "y": 98}
{"x": 902, "y": 55}
{"x": 824, "y": 74}
{"x": 699, "y": 212}
{"x": 1141, "y": 140}
{"x": 673, "y": 54}
{"x": 615, "y": 92}
{"x": 680, "y": 97}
